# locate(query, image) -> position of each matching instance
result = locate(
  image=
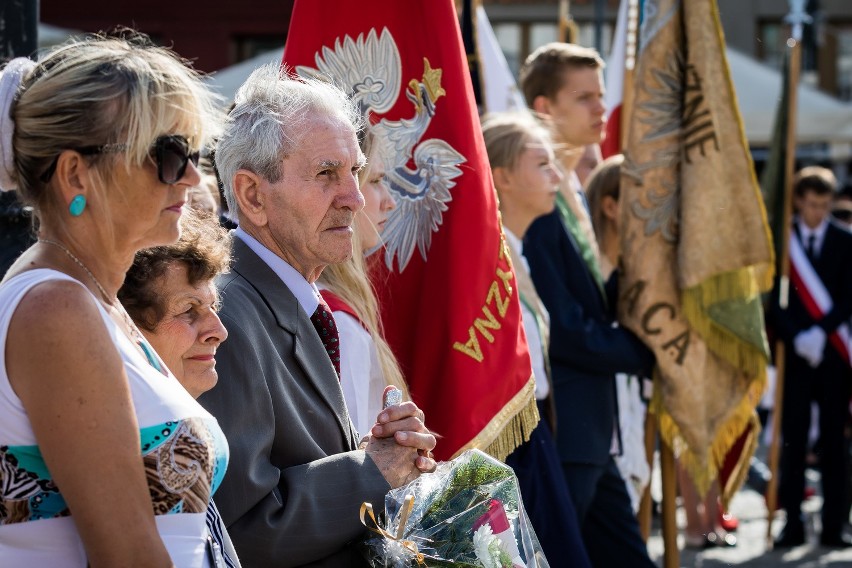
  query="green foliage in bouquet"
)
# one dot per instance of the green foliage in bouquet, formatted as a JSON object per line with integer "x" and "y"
{"x": 447, "y": 504}
{"x": 475, "y": 477}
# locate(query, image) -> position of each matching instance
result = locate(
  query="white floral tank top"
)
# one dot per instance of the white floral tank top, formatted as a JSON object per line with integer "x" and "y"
{"x": 184, "y": 452}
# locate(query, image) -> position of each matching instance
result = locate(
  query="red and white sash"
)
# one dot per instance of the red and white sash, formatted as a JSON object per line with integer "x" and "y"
{"x": 814, "y": 295}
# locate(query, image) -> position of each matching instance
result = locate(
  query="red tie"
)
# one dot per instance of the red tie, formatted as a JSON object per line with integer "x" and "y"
{"x": 326, "y": 328}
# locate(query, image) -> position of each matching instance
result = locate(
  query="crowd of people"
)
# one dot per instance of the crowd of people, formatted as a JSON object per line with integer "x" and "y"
{"x": 250, "y": 363}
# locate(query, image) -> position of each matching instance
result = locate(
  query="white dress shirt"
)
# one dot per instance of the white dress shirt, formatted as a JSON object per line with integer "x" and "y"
{"x": 306, "y": 292}
{"x": 361, "y": 377}
{"x": 542, "y": 388}
{"x": 818, "y": 233}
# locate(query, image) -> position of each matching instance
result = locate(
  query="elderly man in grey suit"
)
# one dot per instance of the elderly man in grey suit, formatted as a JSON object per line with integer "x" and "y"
{"x": 289, "y": 160}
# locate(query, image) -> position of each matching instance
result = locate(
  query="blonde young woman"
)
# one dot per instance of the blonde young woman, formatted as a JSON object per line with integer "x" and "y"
{"x": 367, "y": 364}
{"x": 106, "y": 459}
{"x": 527, "y": 179}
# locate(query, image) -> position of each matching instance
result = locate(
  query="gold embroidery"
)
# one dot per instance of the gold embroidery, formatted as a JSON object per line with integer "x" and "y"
{"x": 471, "y": 347}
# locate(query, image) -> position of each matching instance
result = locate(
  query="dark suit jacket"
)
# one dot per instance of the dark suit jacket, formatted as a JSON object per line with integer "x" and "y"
{"x": 834, "y": 267}
{"x": 295, "y": 481}
{"x": 586, "y": 351}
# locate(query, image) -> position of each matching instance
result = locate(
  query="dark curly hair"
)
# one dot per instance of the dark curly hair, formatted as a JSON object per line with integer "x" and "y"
{"x": 204, "y": 248}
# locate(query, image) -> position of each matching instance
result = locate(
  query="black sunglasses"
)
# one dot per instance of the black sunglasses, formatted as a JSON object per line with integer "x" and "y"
{"x": 171, "y": 154}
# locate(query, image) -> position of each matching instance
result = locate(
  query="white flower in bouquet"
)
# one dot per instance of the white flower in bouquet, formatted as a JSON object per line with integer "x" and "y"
{"x": 489, "y": 549}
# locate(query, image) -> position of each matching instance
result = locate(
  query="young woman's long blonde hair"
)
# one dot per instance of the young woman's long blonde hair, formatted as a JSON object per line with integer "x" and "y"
{"x": 349, "y": 281}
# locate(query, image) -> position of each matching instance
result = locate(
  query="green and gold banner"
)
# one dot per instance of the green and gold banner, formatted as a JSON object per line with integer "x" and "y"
{"x": 696, "y": 249}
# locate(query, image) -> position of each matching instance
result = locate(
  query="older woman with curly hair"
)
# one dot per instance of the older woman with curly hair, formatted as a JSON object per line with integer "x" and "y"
{"x": 169, "y": 292}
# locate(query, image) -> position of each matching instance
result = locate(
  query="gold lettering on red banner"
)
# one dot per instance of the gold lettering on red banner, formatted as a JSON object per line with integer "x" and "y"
{"x": 483, "y": 326}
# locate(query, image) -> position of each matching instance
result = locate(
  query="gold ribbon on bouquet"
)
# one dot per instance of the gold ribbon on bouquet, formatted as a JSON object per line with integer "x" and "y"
{"x": 407, "y": 506}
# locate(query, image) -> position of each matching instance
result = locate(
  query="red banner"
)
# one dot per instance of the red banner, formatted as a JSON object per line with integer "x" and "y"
{"x": 444, "y": 279}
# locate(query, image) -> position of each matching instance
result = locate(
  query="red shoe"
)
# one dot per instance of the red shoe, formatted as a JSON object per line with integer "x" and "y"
{"x": 727, "y": 521}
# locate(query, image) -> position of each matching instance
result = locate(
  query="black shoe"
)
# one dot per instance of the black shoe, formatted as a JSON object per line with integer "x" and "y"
{"x": 835, "y": 541}
{"x": 790, "y": 537}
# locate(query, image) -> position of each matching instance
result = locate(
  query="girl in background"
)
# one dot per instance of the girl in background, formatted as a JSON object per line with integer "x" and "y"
{"x": 527, "y": 180}
{"x": 367, "y": 364}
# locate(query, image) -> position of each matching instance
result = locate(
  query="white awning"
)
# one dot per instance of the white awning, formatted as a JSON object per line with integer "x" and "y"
{"x": 820, "y": 117}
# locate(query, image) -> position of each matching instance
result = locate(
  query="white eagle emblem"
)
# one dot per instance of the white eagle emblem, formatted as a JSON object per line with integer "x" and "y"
{"x": 370, "y": 69}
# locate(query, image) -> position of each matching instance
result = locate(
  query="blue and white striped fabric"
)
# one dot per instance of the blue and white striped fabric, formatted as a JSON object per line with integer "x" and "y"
{"x": 216, "y": 528}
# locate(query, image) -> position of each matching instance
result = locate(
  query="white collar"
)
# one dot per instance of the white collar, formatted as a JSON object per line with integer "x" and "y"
{"x": 306, "y": 292}
{"x": 517, "y": 246}
{"x": 513, "y": 241}
{"x": 818, "y": 232}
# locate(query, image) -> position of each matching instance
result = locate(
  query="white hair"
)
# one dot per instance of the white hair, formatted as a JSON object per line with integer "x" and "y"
{"x": 269, "y": 120}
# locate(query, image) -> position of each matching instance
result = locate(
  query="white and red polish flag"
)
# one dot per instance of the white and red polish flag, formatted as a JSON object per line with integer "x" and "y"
{"x": 614, "y": 81}
{"x": 448, "y": 296}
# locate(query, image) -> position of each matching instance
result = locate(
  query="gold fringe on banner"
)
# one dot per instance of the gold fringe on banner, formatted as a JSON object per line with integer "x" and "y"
{"x": 510, "y": 427}
{"x": 751, "y": 358}
{"x": 704, "y": 473}
{"x": 740, "y": 471}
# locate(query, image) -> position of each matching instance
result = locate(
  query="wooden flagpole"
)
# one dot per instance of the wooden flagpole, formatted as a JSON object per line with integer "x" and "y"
{"x": 567, "y": 32}
{"x": 632, "y": 41}
{"x": 671, "y": 554}
{"x": 645, "y": 504}
{"x": 784, "y": 265}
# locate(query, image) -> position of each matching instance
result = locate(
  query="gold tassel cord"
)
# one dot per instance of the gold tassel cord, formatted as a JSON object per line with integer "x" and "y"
{"x": 510, "y": 428}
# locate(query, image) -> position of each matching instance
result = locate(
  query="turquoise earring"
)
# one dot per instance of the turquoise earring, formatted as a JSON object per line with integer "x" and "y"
{"x": 77, "y": 205}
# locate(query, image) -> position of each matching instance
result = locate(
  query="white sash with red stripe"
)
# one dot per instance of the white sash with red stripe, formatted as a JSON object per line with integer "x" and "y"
{"x": 814, "y": 295}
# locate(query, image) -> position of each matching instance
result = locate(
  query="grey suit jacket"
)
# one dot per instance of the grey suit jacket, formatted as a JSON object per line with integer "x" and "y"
{"x": 295, "y": 481}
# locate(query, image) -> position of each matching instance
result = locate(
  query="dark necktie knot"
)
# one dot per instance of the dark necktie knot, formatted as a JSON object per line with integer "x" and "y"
{"x": 327, "y": 330}
{"x": 811, "y": 248}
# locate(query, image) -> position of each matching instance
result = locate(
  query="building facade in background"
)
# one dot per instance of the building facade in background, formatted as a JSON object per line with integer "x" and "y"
{"x": 213, "y": 34}
{"x": 216, "y": 35}
{"x": 754, "y": 27}
{"x": 219, "y": 34}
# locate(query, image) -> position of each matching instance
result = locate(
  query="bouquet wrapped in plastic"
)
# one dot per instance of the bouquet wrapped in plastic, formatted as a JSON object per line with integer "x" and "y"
{"x": 468, "y": 513}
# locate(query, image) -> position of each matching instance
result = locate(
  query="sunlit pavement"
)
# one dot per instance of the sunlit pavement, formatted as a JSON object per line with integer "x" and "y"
{"x": 750, "y": 508}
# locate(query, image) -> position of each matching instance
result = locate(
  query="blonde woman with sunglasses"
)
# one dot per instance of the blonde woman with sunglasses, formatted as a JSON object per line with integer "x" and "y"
{"x": 105, "y": 459}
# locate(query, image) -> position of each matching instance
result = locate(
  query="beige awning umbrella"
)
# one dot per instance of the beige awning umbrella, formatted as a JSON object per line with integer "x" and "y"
{"x": 821, "y": 118}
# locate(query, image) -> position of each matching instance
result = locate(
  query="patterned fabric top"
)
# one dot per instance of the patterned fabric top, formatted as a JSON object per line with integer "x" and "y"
{"x": 184, "y": 452}
{"x": 180, "y": 465}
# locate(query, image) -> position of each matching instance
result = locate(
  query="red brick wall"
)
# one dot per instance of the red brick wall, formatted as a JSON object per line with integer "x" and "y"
{"x": 203, "y": 31}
